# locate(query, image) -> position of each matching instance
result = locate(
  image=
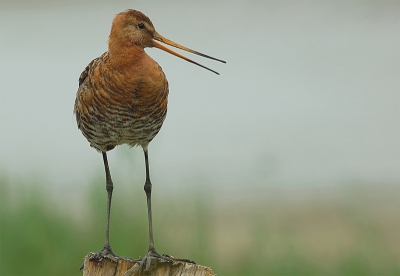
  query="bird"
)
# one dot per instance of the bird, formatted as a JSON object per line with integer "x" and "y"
{"x": 122, "y": 99}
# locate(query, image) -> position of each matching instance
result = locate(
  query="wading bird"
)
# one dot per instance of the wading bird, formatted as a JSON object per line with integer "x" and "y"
{"x": 122, "y": 99}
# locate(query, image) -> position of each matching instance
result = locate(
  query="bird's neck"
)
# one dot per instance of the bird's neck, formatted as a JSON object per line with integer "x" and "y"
{"x": 124, "y": 53}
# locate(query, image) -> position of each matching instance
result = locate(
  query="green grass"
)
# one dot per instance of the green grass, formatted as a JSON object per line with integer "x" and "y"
{"x": 353, "y": 231}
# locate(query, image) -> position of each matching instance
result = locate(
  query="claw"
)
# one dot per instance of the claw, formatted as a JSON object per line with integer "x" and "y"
{"x": 178, "y": 259}
{"x": 146, "y": 261}
{"x": 100, "y": 255}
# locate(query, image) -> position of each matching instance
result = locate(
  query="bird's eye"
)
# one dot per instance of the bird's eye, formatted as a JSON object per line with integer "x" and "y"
{"x": 141, "y": 26}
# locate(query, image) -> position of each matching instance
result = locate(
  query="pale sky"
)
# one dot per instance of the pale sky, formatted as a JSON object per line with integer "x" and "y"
{"x": 309, "y": 94}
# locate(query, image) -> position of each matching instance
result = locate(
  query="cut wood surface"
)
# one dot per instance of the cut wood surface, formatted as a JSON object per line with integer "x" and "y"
{"x": 113, "y": 266}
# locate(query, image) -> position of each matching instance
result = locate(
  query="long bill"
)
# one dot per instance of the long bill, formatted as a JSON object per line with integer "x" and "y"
{"x": 158, "y": 45}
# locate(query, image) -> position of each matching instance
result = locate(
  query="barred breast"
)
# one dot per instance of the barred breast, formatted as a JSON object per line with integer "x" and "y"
{"x": 115, "y": 106}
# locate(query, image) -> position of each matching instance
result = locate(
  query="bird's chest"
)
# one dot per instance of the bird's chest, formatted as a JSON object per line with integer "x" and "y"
{"x": 135, "y": 106}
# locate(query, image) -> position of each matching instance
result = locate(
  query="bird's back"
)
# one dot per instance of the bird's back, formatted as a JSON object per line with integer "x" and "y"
{"x": 121, "y": 103}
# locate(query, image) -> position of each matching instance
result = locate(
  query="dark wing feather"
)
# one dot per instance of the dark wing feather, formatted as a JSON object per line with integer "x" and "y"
{"x": 82, "y": 79}
{"x": 85, "y": 72}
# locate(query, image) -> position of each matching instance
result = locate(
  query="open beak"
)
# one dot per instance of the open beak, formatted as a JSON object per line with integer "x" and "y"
{"x": 158, "y": 45}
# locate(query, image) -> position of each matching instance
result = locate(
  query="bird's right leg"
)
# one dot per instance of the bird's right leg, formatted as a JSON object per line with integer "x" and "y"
{"x": 99, "y": 255}
{"x": 109, "y": 187}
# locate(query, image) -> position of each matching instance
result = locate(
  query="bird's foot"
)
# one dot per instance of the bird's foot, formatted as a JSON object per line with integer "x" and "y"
{"x": 100, "y": 255}
{"x": 145, "y": 263}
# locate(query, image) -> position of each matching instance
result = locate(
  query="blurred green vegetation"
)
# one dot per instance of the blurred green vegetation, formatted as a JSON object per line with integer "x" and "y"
{"x": 333, "y": 231}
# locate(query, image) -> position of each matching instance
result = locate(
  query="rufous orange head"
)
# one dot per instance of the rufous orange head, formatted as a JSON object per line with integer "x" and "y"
{"x": 133, "y": 27}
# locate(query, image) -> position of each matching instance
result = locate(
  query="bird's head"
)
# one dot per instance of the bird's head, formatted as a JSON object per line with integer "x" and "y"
{"x": 132, "y": 27}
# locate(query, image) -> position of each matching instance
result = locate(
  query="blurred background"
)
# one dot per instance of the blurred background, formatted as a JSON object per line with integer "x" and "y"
{"x": 285, "y": 164}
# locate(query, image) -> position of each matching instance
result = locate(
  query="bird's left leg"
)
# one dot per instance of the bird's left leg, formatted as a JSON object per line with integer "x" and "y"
{"x": 152, "y": 253}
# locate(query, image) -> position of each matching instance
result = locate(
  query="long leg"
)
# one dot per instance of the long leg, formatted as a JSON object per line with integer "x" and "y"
{"x": 109, "y": 187}
{"x": 147, "y": 189}
{"x": 152, "y": 253}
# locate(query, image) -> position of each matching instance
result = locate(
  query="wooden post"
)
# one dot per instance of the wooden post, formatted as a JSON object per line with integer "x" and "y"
{"x": 113, "y": 266}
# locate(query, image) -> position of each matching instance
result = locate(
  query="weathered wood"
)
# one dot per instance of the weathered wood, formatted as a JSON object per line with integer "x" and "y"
{"x": 113, "y": 266}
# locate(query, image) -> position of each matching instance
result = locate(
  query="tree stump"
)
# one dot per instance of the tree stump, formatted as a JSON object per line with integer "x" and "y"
{"x": 113, "y": 266}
